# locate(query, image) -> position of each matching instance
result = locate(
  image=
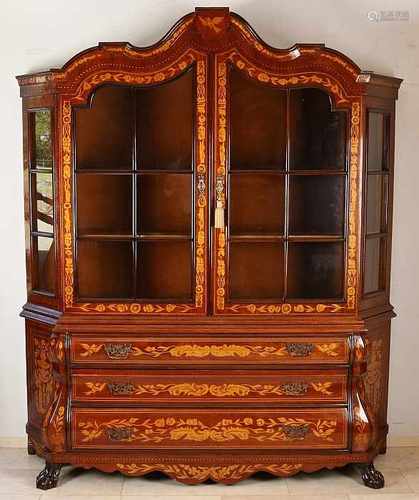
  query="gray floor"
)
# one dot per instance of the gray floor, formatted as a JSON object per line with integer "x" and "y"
{"x": 400, "y": 467}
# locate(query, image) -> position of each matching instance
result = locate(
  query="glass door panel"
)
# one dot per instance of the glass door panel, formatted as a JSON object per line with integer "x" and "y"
{"x": 135, "y": 196}
{"x": 287, "y": 183}
{"x": 165, "y": 125}
{"x": 258, "y": 133}
{"x": 315, "y": 270}
{"x": 104, "y": 130}
{"x": 257, "y": 270}
{"x": 318, "y": 134}
{"x": 316, "y": 205}
{"x": 164, "y": 270}
{"x": 165, "y": 204}
{"x": 105, "y": 269}
{"x": 257, "y": 204}
{"x": 104, "y": 204}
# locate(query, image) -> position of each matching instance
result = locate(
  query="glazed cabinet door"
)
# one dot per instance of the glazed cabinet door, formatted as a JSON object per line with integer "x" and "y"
{"x": 40, "y": 200}
{"x": 286, "y": 201}
{"x": 140, "y": 194}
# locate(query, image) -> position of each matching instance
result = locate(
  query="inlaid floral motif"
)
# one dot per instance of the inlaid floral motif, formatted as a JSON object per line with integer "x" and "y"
{"x": 202, "y": 472}
{"x": 256, "y": 429}
{"x": 43, "y": 379}
{"x": 216, "y": 390}
{"x": 214, "y": 350}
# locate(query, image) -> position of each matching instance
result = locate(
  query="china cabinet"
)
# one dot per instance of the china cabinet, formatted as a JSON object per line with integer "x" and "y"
{"x": 208, "y": 241}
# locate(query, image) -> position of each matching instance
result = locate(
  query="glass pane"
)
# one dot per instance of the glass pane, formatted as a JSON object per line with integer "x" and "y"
{"x": 374, "y": 264}
{"x": 165, "y": 125}
{"x": 104, "y": 204}
{"x": 165, "y": 203}
{"x": 258, "y": 124}
{"x": 165, "y": 270}
{"x": 318, "y": 134}
{"x": 105, "y": 269}
{"x": 374, "y": 204}
{"x": 317, "y": 204}
{"x": 315, "y": 270}
{"x": 257, "y": 204}
{"x": 256, "y": 270}
{"x": 104, "y": 131}
{"x": 43, "y": 272}
{"x": 42, "y": 140}
{"x": 42, "y": 203}
{"x": 378, "y": 141}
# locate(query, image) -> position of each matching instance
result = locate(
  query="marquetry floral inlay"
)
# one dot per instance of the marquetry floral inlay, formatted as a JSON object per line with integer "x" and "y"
{"x": 157, "y": 430}
{"x": 203, "y": 472}
{"x": 43, "y": 379}
{"x": 214, "y": 350}
{"x": 335, "y": 88}
{"x": 216, "y": 390}
{"x": 141, "y": 77}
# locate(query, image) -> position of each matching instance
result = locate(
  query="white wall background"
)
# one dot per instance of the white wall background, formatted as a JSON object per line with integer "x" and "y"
{"x": 39, "y": 35}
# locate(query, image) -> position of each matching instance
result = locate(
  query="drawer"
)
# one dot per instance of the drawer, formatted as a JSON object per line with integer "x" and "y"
{"x": 287, "y": 350}
{"x": 288, "y": 386}
{"x": 227, "y": 428}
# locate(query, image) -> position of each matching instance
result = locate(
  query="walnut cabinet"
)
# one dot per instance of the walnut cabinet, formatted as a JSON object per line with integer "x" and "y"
{"x": 208, "y": 241}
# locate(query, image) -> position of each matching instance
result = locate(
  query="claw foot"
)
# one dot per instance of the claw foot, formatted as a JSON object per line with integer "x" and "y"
{"x": 48, "y": 477}
{"x": 371, "y": 476}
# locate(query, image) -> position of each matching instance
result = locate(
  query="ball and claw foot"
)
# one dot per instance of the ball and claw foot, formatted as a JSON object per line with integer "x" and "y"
{"x": 48, "y": 477}
{"x": 371, "y": 476}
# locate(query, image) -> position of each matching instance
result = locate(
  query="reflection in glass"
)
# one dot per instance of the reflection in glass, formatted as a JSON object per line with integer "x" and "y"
{"x": 43, "y": 272}
{"x": 42, "y": 202}
{"x": 42, "y": 143}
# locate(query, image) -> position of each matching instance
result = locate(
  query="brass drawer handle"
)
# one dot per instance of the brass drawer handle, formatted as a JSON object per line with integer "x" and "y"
{"x": 300, "y": 350}
{"x": 294, "y": 388}
{"x": 297, "y": 431}
{"x": 120, "y": 389}
{"x": 118, "y": 351}
{"x": 119, "y": 433}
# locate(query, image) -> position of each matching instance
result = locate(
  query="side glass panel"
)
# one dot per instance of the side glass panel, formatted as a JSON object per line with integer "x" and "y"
{"x": 376, "y": 234}
{"x": 42, "y": 201}
{"x": 287, "y": 205}
{"x": 135, "y": 202}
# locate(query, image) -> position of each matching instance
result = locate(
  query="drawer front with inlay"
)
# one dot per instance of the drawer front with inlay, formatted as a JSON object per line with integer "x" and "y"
{"x": 227, "y": 428}
{"x": 304, "y": 386}
{"x": 286, "y": 350}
